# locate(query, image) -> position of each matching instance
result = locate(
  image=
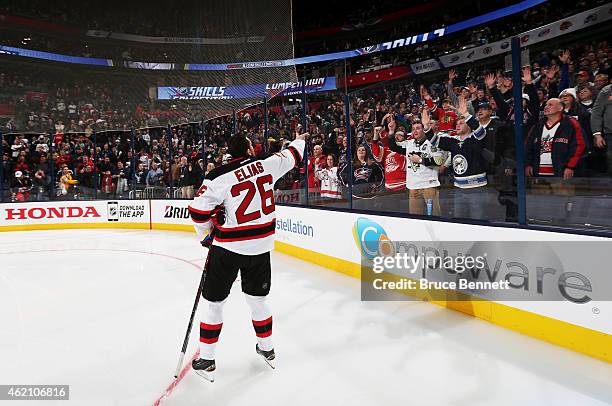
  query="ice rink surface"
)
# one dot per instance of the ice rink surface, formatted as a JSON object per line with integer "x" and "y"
{"x": 105, "y": 311}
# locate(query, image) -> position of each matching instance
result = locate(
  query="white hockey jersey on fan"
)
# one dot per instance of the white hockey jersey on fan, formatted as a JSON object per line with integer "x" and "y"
{"x": 245, "y": 187}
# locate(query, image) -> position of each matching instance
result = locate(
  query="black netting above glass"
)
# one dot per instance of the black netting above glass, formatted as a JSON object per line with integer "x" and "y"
{"x": 204, "y": 65}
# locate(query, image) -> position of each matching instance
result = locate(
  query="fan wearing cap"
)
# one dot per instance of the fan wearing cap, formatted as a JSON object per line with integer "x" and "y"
{"x": 573, "y": 108}
{"x": 555, "y": 146}
{"x": 498, "y": 139}
{"x": 582, "y": 79}
{"x": 480, "y": 99}
{"x": 21, "y": 186}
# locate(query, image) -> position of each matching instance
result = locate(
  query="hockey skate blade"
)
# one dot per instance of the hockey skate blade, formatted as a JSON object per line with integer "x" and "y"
{"x": 208, "y": 375}
{"x": 270, "y": 362}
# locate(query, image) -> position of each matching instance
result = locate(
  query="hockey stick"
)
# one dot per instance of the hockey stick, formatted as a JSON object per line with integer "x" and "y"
{"x": 193, "y": 312}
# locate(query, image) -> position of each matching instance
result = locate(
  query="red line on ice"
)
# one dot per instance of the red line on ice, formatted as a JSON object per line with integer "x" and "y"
{"x": 178, "y": 380}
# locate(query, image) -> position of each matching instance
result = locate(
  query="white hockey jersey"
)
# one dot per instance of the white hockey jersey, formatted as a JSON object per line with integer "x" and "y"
{"x": 330, "y": 184}
{"x": 425, "y": 175}
{"x": 245, "y": 187}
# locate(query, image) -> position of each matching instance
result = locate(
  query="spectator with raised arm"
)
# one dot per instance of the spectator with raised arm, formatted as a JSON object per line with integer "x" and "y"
{"x": 505, "y": 105}
{"x": 564, "y": 67}
{"x": 393, "y": 163}
{"x": 446, "y": 115}
{"x": 154, "y": 176}
{"x": 465, "y": 92}
{"x": 40, "y": 184}
{"x": 468, "y": 164}
{"x": 422, "y": 161}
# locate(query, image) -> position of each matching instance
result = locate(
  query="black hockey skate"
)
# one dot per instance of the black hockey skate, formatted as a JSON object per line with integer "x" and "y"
{"x": 268, "y": 356}
{"x": 205, "y": 368}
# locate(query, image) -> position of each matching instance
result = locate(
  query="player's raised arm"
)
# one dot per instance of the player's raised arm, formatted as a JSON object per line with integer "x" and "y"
{"x": 282, "y": 162}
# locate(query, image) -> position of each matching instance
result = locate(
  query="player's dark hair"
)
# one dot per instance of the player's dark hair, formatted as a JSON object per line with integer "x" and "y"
{"x": 275, "y": 146}
{"x": 238, "y": 146}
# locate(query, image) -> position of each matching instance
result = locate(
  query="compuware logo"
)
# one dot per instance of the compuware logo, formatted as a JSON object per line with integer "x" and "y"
{"x": 371, "y": 238}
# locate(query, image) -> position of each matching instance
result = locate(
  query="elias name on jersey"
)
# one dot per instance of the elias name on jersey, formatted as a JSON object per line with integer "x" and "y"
{"x": 249, "y": 171}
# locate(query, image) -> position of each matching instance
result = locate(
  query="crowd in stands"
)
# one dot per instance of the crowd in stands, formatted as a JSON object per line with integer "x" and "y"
{"x": 43, "y": 101}
{"x": 461, "y": 132}
{"x": 35, "y": 98}
{"x": 70, "y": 138}
{"x": 386, "y": 121}
{"x": 360, "y": 35}
{"x": 40, "y": 99}
{"x": 107, "y": 165}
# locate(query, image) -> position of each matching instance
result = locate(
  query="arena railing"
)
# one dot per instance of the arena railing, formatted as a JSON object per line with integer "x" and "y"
{"x": 343, "y": 119}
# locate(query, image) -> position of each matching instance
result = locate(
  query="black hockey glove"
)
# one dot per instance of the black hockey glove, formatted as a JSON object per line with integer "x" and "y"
{"x": 207, "y": 241}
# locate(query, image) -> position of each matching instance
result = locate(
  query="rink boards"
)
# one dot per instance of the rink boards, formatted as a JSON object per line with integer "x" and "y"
{"x": 326, "y": 238}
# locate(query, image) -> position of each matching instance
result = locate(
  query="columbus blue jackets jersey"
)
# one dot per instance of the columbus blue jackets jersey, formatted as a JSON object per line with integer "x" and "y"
{"x": 245, "y": 188}
{"x": 468, "y": 164}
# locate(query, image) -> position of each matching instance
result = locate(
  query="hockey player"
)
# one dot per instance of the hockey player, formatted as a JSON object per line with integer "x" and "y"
{"x": 244, "y": 188}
